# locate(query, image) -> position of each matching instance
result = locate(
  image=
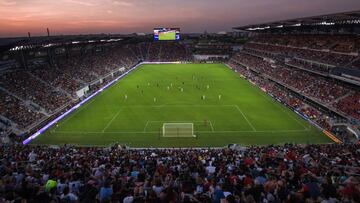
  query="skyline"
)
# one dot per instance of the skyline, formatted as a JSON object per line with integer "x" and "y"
{"x": 64, "y": 17}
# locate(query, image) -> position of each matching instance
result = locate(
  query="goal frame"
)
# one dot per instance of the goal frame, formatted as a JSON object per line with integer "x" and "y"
{"x": 192, "y": 130}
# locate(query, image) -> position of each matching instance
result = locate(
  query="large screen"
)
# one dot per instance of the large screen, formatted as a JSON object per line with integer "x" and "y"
{"x": 161, "y": 34}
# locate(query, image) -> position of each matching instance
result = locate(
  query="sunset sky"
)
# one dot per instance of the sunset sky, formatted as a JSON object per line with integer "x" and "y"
{"x": 17, "y": 17}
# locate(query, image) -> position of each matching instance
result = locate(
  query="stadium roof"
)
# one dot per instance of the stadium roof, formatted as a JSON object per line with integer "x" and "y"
{"x": 345, "y": 18}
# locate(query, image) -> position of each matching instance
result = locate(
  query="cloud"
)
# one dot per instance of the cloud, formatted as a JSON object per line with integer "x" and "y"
{"x": 7, "y": 2}
{"x": 122, "y": 3}
{"x": 83, "y": 3}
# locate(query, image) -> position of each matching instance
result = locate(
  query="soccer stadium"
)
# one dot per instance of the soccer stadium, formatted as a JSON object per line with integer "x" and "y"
{"x": 244, "y": 106}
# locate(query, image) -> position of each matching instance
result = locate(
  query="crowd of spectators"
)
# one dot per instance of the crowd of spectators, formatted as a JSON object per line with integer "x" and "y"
{"x": 286, "y": 96}
{"x": 174, "y": 52}
{"x": 13, "y": 109}
{"x": 56, "y": 77}
{"x": 350, "y": 105}
{"x": 324, "y": 90}
{"x": 27, "y": 87}
{"x": 54, "y": 86}
{"x": 288, "y": 173}
{"x": 334, "y": 50}
{"x": 336, "y": 43}
{"x": 309, "y": 66}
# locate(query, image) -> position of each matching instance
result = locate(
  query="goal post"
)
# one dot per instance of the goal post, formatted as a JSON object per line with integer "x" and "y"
{"x": 178, "y": 130}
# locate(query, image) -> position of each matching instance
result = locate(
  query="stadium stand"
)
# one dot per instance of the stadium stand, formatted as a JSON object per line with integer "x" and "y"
{"x": 50, "y": 87}
{"x": 289, "y": 173}
{"x": 307, "y": 65}
{"x": 299, "y": 70}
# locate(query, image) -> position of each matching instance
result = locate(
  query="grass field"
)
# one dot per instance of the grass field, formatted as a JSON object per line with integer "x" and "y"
{"x": 243, "y": 115}
{"x": 170, "y": 35}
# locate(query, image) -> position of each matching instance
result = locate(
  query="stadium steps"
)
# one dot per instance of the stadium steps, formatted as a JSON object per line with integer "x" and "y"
{"x": 48, "y": 84}
{"x": 331, "y": 46}
{"x": 95, "y": 74}
{"x": 351, "y": 62}
{"x": 148, "y": 51}
{"x": 12, "y": 94}
{"x": 342, "y": 97}
{"x": 159, "y": 54}
{"x": 82, "y": 83}
{"x": 141, "y": 54}
{"x": 29, "y": 103}
{"x": 134, "y": 54}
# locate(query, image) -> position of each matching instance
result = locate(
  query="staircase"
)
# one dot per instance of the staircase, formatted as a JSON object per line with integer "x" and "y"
{"x": 351, "y": 62}
{"x": 342, "y": 97}
{"x": 48, "y": 84}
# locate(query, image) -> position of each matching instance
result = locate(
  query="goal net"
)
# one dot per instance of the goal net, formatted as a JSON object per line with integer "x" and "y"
{"x": 178, "y": 130}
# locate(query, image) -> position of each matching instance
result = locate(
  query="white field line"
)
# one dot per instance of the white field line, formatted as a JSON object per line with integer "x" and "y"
{"x": 74, "y": 113}
{"x": 109, "y": 123}
{"x": 176, "y": 121}
{"x": 186, "y": 105}
{"x": 280, "y": 107}
{"x": 142, "y": 132}
{"x": 146, "y": 126}
{"x": 212, "y": 127}
{"x": 177, "y": 105}
{"x": 147, "y": 123}
{"x": 237, "y": 107}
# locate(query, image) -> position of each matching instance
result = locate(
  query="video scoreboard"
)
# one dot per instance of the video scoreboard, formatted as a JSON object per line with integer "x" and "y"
{"x": 166, "y": 34}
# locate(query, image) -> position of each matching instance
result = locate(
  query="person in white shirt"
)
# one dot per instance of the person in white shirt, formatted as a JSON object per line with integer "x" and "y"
{"x": 32, "y": 156}
{"x": 210, "y": 169}
{"x": 68, "y": 196}
{"x": 129, "y": 198}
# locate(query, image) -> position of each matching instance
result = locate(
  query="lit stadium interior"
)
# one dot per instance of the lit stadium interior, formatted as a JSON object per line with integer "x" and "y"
{"x": 134, "y": 106}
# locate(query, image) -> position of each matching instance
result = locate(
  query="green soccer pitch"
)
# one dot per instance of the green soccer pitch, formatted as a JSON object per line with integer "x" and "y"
{"x": 133, "y": 111}
{"x": 171, "y": 35}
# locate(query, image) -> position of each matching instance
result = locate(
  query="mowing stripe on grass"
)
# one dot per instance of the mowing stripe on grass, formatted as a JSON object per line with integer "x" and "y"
{"x": 140, "y": 116}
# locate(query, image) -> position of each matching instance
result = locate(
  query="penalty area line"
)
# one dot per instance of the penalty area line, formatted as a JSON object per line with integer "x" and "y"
{"x": 147, "y": 123}
{"x": 212, "y": 127}
{"x": 250, "y": 124}
{"x": 109, "y": 123}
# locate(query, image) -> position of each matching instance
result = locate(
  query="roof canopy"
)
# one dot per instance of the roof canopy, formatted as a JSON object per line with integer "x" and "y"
{"x": 345, "y": 18}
